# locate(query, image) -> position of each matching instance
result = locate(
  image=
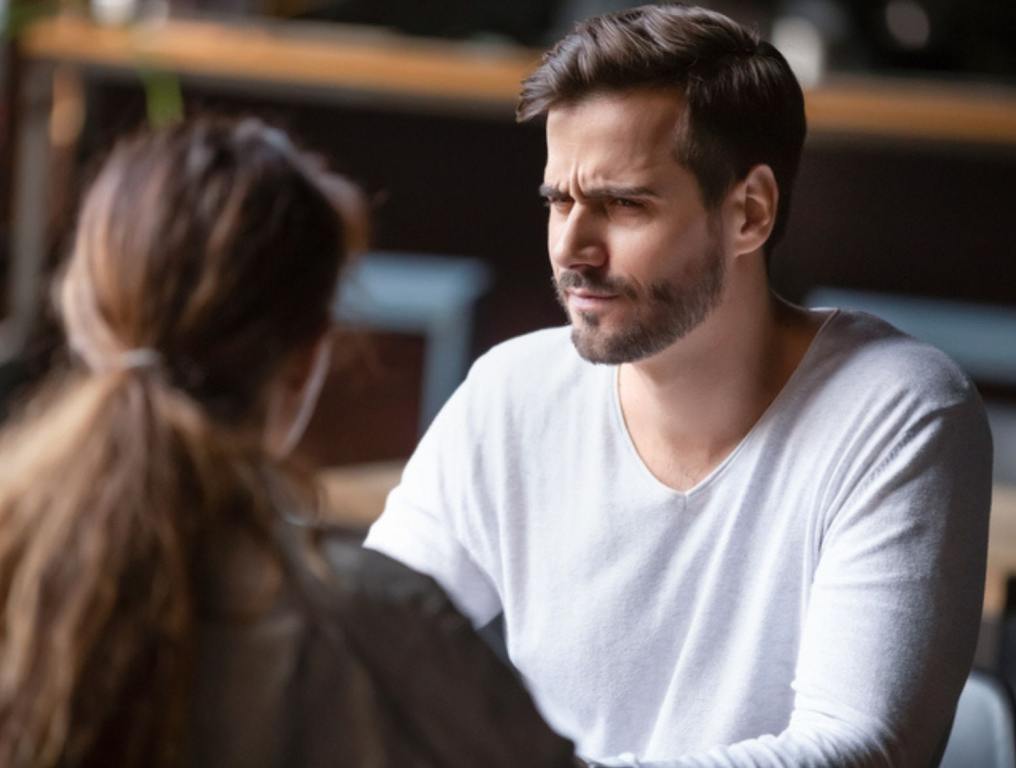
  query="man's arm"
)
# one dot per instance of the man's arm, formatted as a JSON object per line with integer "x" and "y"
{"x": 435, "y": 503}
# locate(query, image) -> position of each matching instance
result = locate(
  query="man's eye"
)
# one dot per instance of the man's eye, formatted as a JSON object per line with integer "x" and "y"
{"x": 556, "y": 204}
{"x": 624, "y": 202}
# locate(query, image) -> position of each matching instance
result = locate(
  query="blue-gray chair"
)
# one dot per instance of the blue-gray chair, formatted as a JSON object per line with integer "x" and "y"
{"x": 982, "y": 734}
{"x": 434, "y": 296}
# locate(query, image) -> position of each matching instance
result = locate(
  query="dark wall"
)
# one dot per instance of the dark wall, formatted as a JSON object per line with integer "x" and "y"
{"x": 458, "y": 185}
{"x": 897, "y": 216}
{"x": 911, "y": 217}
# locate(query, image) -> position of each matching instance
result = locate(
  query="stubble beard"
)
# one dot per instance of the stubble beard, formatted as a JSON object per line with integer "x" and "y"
{"x": 664, "y": 311}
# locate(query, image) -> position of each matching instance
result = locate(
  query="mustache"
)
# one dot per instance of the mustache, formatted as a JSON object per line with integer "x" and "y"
{"x": 572, "y": 279}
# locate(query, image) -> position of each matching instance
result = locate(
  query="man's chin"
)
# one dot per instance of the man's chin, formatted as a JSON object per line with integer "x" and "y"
{"x": 595, "y": 346}
{"x": 584, "y": 319}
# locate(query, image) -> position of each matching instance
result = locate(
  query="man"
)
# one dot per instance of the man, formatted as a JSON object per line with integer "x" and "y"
{"x": 723, "y": 530}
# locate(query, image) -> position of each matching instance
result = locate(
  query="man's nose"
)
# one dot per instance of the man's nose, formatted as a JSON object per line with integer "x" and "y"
{"x": 576, "y": 240}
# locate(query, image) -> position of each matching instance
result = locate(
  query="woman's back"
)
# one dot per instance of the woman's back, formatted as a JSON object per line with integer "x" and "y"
{"x": 158, "y": 609}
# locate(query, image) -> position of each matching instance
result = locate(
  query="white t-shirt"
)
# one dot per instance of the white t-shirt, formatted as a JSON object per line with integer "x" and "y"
{"x": 814, "y": 601}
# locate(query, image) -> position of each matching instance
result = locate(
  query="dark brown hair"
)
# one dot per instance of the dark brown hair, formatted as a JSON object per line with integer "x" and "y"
{"x": 744, "y": 105}
{"x": 205, "y": 254}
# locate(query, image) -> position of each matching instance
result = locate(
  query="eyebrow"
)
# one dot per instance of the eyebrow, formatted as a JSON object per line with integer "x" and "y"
{"x": 550, "y": 192}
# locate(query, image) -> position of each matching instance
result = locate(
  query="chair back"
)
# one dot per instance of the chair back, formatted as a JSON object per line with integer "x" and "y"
{"x": 982, "y": 734}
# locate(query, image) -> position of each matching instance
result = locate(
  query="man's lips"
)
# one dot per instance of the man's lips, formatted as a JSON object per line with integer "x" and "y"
{"x": 584, "y": 300}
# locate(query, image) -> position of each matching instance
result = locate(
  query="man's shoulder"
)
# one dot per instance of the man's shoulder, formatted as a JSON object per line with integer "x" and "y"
{"x": 863, "y": 355}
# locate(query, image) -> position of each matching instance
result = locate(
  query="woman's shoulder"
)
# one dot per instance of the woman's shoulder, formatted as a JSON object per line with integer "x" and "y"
{"x": 373, "y": 574}
{"x": 423, "y": 656}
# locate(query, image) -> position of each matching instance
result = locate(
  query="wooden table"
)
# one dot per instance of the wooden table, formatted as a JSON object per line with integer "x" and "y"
{"x": 1001, "y": 548}
{"x": 355, "y": 494}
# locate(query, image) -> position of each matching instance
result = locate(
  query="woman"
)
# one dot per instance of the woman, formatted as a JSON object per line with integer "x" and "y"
{"x": 165, "y": 602}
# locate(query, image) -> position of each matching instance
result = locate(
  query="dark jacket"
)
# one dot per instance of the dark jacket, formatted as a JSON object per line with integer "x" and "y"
{"x": 344, "y": 657}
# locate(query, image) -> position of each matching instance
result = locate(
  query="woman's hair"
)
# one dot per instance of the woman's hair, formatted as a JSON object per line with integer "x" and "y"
{"x": 205, "y": 255}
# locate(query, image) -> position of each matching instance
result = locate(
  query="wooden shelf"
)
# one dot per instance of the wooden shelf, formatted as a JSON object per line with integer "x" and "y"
{"x": 383, "y": 64}
{"x": 895, "y": 108}
{"x": 292, "y": 54}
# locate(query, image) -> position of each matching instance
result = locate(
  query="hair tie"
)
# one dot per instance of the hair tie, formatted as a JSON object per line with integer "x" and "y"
{"x": 139, "y": 357}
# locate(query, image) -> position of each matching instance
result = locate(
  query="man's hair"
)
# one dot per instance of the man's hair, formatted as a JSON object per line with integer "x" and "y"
{"x": 744, "y": 106}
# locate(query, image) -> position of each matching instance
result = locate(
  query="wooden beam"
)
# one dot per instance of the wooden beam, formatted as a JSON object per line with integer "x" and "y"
{"x": 291, "y": 53}
{"x": 952, "y": 112}
{"x": 376, "y": 62}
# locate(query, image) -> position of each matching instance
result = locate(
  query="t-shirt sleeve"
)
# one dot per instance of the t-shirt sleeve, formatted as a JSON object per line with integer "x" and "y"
{"x": 892, "y": 621}
{"x": 435, "y": 520}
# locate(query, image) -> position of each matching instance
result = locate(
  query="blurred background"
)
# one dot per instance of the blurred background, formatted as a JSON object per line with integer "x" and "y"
{"x": 905, "y": 204}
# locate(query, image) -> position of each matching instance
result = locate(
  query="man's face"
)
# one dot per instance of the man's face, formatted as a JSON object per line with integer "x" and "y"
{"x": 638, "y": 261}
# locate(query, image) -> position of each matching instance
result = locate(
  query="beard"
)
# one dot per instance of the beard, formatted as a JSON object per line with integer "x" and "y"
{"x": 663, "y": 311}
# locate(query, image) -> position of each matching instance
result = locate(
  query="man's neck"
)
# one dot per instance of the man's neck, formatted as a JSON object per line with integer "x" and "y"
{"x": 688, "y": 407}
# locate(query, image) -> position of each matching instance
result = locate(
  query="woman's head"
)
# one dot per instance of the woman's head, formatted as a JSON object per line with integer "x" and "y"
{"x": 216, "y": 245}
{"x": 197, "y": 294}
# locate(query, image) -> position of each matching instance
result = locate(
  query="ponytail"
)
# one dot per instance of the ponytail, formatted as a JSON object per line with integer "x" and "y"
{"x": 213, "y": 247}
{"x": 104, "y": 494}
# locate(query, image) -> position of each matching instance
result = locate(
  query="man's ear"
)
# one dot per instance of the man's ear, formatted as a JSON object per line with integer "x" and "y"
{"x": 753, "y": 202}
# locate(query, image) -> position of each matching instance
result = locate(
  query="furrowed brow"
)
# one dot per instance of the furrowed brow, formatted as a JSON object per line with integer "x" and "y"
{"x": 550, "y": 192}
{"x": 609, "y": 191}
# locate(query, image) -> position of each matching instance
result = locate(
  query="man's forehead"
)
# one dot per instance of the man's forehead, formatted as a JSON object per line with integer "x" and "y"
{"x": 622, "y": 131}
